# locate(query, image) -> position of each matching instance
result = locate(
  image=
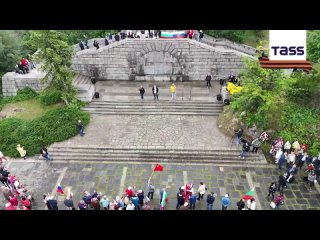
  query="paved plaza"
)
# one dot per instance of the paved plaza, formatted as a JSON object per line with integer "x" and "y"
{"x": 111, "y": 179}
{"x": 185, "y": 132}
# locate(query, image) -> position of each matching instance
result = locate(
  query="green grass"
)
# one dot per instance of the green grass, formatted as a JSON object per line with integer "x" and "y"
{"x": 32, "y": 109}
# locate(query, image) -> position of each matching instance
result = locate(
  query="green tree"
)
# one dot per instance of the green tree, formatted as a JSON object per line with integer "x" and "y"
{"x": 233, "y": 35}
{"x": 11, "y": 50}
{"x": 313, "y": 46}
{"x": 263, "y": 94}
{"x": 55, "y": 55}
{"x": 75, "y": 36}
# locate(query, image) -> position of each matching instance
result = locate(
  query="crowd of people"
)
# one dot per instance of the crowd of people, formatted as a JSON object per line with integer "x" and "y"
{"x": 24, "y": 66}
{"x": 15, "y": 193}
{"x": 139, "y": 34}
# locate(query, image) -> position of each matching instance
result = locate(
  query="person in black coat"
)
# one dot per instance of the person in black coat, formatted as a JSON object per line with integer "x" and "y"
{"x": 208, "y": 79}
{"x": 241, "y": 204}
{"x": 282, "y": 183}
{"x": 272, "y": 190}
{"x": 142, "y": 91}
{"x": 81, "y": 45}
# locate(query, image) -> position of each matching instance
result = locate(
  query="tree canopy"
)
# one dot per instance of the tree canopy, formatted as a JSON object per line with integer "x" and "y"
{"x": 55, "y": 55}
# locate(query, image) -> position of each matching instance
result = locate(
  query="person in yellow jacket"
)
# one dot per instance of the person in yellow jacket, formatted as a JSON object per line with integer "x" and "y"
{"x": 173, "y": 91}
{"x": 21, "y": 151}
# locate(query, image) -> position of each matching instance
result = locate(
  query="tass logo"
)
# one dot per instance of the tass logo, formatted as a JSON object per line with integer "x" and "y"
{"x": 287, "y": 44}
{"x": 285, "y": 51}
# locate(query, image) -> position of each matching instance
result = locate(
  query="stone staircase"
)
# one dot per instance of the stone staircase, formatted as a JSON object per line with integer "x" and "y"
{"x": 155, "y": 108}
{"x": 92, "y": 153}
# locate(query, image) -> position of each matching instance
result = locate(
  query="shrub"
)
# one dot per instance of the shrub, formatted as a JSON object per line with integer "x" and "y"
{"x": 55, "y": 126}
{"x": 50, "y": 96}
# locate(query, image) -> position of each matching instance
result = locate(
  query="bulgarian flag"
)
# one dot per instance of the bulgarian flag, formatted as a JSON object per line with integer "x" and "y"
{"x": 174, "y": 34}
{"x": 158, "y": 168}
{"x": 248, "y": 195}
{"x": 59, "y": 189}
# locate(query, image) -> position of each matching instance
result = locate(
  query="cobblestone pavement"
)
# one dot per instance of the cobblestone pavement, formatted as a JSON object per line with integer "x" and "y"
{"x": 185, "y": 132}
{"x": 106, "y": 178}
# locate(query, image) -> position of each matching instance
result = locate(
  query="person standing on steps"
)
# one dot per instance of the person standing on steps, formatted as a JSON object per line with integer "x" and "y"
{"x": 239, "y": 134}
{"x": 21, "y": 151}
{"x": 173, "y": 89}
{"x": 245, "y": 149}
{"x": 155, "y": 91}
{"x": 44, "y": 153}
{"x": 142, "y": 91}
{"x": 81, "y": 129}
{"x": 208, "y": 79}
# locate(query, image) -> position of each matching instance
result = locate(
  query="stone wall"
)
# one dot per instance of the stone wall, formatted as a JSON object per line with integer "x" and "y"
{"x": 181, "y": 59}
{"x": 12, "y": 82}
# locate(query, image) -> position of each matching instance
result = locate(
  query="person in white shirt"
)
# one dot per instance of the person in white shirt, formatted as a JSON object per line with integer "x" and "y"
{"x": 130, "y": 206}
{"x": 253, "y": 204}
{"x": 201, "y": 190}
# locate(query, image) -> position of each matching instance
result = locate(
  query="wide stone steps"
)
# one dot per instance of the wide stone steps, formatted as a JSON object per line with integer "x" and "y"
{"x": 154, "y": 108}
{"x": 222, "y": 156}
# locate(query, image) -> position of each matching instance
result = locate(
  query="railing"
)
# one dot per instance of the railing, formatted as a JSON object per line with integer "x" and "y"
{"x": 229, "y": 44}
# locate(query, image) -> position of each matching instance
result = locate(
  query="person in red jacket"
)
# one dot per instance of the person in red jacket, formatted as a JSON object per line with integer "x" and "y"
{"x": 26, "y": 203}
{"x": 129, "y": 192}
{"x": 8, "y": 206}
{"x": 190, "y": 34}
{"x": 14, "y": 201}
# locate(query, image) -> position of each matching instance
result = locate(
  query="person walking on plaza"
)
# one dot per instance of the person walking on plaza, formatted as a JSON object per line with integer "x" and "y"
{"x": 193, "y": 200}
{"x": 151, "y": 189}
{"x": 225, "y": 202}
{"x": 104, "y": 202}
{"x": 241, "y": 205}
{"x": 208, "y": 80}
{"x": 201, "y": 190}
{"x": 282, "y": 183}
{"x": 163, "y": 199}
{"x": 251, "y": 204}
{"x": 180, "y": 199}
{"x": 155, "y": 91}
{"x": 210, "y": 200}
{"x": 81, "y": 128}
{"x": 272, "y": 190}
{"x": 173, "y": 89}
{"x": 142, "y": 91}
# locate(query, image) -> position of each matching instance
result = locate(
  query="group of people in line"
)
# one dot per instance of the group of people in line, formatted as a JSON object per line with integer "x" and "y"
{"x": 155, "y": 91}
{"x": 24, "y": 66}
{"x": 139, "y": 34}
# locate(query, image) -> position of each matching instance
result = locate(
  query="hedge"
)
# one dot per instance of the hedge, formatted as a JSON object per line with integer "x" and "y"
{"x": 50, "y": 96}
{"x": 55, "y": 126}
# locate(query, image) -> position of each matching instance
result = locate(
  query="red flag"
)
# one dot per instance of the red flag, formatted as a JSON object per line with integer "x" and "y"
{"x": 158, "y": 168}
